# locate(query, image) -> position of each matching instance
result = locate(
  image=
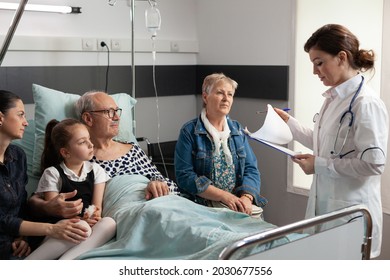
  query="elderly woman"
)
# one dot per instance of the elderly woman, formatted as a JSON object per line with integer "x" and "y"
{"x": 213, "y": 160}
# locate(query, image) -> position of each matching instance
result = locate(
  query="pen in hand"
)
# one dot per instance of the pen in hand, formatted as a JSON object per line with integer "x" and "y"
{"x": 262, "y": 112}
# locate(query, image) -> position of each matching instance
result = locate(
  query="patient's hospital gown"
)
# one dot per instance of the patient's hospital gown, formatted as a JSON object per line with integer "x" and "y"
{"x": 135, "y": 161}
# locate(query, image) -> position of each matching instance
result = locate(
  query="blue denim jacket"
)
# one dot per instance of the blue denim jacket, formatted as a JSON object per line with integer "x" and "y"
{"x": 193, "y": 161}
{"x": 13, "y": 179}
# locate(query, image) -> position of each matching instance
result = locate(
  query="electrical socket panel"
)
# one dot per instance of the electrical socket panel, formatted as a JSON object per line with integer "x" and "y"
{"x": 101, "y": 48}
{"x": 116, "y": 45}
{"x": 88, "y": 44}
{"x": 175, "y": 46}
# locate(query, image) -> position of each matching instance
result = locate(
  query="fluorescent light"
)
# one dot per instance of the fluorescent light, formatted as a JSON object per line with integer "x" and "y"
{"x": 42, "y": 8}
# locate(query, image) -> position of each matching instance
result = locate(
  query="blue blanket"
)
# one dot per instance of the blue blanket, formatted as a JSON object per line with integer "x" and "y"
{"x": 169, "y": 227}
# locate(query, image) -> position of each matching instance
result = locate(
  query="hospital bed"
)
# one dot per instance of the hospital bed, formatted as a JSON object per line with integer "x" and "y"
{"x": 350, "y": 240}
{"x": 173, "y": 227}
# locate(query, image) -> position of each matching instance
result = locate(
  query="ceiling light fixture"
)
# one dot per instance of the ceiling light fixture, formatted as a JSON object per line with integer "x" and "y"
{"x": 42, "y": 8}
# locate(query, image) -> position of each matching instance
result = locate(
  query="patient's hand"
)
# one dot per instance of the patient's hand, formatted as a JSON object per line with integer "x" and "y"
{"x": 156, "y": 189}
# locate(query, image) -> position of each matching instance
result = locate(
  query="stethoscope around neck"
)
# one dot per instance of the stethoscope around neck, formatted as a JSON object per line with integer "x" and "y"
{"x": 350, "y": 123}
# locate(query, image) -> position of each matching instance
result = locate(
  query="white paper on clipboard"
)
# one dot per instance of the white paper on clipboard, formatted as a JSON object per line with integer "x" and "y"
{"x": 274, "y": 132}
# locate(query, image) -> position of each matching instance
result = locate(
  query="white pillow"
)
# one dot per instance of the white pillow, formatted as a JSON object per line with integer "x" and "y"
{"x": 53, "y": 104}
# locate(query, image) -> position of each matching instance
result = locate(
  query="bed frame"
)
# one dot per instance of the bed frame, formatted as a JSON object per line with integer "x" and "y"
{"x": 348, "y": 241}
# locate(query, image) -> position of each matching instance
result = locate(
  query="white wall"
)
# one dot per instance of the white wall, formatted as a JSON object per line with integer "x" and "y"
{"x": 99, "y": 20}
{"x": 43, "y": 39}
{"x": 385, "y": 86}
{"x": 249, "y": 32}
{"x": 385, "y": 89}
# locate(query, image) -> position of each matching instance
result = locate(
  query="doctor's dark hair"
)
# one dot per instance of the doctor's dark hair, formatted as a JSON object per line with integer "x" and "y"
{"x": 57, "y": 136}
{"x": 7, "y": 100}
{"x": 333, "y": 38}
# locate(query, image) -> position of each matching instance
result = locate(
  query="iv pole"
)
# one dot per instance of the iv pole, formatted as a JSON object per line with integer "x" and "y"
{"x": 131, "y": 3}
{"x": 132, "y": 62}
{"x": 12, "y": 29}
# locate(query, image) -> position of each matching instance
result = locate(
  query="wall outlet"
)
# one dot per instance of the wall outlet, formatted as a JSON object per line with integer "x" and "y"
{"x": 175, "y": 46}
{"x": 116, "y": 45}
{"x": 102, "y": 48}
{"x": 88, "y": 44}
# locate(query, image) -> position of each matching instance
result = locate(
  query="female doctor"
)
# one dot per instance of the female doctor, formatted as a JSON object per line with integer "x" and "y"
{"x": 349, "y": 140}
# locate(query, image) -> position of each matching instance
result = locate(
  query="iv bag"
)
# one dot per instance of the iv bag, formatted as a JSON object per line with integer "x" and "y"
{"x": 153, "y": 20}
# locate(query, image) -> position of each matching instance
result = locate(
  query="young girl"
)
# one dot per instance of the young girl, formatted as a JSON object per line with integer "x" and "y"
{"x": 13, "y": 180}
{"x": 66, "y": 165}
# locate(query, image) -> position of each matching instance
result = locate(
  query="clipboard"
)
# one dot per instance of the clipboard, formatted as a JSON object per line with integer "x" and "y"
{"x": 280, "y": 148}
{"x": 274, "y": 133}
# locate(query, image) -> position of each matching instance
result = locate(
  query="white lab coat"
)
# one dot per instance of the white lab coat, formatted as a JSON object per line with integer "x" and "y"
{"x": 355, "y": 178}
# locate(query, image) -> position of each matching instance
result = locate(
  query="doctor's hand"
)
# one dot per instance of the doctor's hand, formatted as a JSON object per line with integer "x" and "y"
{"x": 285, "y": 116}
{"x": 156, "y": 189}
{"x": 306, "y": 162}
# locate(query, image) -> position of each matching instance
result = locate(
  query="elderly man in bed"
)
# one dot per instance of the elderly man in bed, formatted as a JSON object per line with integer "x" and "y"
{"x": 101, "y": 114}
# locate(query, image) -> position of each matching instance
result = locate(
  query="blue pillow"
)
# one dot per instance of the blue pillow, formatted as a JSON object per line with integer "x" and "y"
{"x": 53, "y": 104}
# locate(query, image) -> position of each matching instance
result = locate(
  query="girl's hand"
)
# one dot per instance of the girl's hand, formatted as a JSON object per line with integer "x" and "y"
{"x": 91, "y": 221}
{"x": 92, "y": 218}
{"x": 20, "y": 248}
{"x": 98, "y": 214}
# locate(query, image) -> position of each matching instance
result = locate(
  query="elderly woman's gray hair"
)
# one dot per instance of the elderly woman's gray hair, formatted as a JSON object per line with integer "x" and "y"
{"x": 211, "y": 80}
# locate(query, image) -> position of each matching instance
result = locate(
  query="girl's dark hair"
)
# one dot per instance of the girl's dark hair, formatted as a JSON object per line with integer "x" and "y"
{"x": 57, "y": 136}
{"x": 7, "y": 100}
{"x": 333, "y": 38}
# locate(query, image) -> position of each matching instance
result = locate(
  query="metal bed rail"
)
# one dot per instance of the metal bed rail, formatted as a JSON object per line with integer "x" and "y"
{"x": 12, "y": 28}
{"x": 271, "y": 235}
